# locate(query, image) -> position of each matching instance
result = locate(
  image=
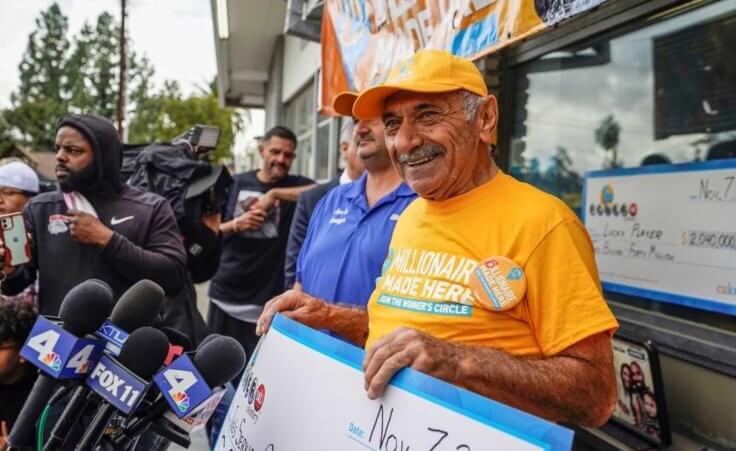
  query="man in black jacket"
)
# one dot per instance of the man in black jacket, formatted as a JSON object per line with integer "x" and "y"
{"x": 95, "y": 226}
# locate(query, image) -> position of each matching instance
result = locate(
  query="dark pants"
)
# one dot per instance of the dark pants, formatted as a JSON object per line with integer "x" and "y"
{"x": 224, "y": 324}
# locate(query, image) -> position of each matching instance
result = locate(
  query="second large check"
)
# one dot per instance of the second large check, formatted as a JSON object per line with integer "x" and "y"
{"x": 303, "y": 390}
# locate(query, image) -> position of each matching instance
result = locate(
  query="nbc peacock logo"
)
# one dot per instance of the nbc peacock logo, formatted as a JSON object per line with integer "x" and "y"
{"x": 182, "y": 401}
{"x": 52, "y": 360}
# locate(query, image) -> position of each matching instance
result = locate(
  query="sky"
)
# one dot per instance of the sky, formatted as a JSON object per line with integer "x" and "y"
{"x": 176, "y": 35}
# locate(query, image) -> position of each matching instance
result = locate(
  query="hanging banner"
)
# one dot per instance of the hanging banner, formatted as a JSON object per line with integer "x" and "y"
{"x": 363, "y": 39}
{"x": 666, "y": 232}
{"x": 303, "y": 390}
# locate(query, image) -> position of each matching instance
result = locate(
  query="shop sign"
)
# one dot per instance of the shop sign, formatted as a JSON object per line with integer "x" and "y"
{"x": 363, "y": 39}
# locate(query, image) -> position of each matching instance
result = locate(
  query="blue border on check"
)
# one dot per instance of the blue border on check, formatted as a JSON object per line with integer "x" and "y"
{"x": 526, "y": 427}
{"x": 711, "y": 305}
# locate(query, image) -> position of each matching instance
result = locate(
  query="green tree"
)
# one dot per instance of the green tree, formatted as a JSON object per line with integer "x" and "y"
{"x": 606, "y": 135}
{"x": 95, "y": 58}
{"x": 77, "y": 86}
{"x": 6, "y": 141}
{"x": 39, "y": 100}
{"x": 57, "y": 76}
{"x": 103, "y": 66}
{"x": 168, "y": 114}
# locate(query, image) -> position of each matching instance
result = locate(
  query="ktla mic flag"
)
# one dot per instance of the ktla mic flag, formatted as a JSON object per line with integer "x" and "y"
{"x": 363, "y": 39}
{"x": 303, "y": 390}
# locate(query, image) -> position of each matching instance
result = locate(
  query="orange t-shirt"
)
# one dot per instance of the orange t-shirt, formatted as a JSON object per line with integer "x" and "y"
{"x": 436, "y": 246}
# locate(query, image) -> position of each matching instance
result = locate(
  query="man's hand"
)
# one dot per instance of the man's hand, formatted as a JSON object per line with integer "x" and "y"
{"x": 87, "y": 229}
{"x": 296, "y": 305}
{"x": 407, "y": 347}
{"x": 6, "y": 268}
{"x": 267, "y": 201}
{"x": 212, "y": 221}
{"x": 250, "y": 220}
{"x": 3, "y": 434}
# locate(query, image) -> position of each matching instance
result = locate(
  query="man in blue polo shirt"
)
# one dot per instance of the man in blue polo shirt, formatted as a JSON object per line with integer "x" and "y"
{"x": 350, "y": 229}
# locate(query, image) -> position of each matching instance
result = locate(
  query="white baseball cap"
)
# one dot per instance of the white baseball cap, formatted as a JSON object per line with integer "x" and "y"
{"x": 18, "y": 175}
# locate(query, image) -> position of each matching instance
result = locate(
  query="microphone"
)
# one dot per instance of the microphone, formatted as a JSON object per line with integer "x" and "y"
{"x": 59, "y": 352}
{"x": 206, "y": 339}
{"x": 187, "y": 399}
{"x": 219, "y": 359}
{"x": 178, "y": 343}
{"x": 137, "y": 307}
{"x": 122, "y": 383}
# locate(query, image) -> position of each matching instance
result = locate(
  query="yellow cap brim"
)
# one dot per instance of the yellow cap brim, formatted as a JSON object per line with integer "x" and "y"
{"x": 343, "y": 103}
{"x": 369, "y": 103}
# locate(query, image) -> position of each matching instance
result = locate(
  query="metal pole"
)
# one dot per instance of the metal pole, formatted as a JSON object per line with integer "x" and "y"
{"x": 121, "y": 90}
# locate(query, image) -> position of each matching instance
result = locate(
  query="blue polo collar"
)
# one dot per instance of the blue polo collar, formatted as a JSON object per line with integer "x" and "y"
{"x": 357, "y": 189}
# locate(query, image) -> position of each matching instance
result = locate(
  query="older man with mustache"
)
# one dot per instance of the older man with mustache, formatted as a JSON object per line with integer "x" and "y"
{"x": 490, "y": 283}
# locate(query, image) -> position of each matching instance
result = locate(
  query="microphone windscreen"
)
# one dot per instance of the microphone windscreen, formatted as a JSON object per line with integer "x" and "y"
{"x": 207, "y": 339}
{"x": 86, "y": 306}
{"x": 139, "y": 306}
{"x": 219, "y": 360}
{"x": 177, "y": 338}
{"x": 144, "y": 351}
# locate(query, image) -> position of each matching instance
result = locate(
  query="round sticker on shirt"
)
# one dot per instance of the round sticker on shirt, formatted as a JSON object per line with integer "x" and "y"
{"x": 498, "y": 283}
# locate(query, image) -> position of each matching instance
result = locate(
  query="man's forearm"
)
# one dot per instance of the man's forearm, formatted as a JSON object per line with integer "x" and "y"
{"x": 562, "y": 388}
{"x": 290, "y": 194}
{"x": 348, "y": 322}
{"x": 227, "y": 228}
{"x": 165, "y": 265}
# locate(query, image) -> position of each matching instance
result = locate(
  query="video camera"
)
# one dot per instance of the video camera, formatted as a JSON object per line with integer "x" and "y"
{"x": 203, "y": 138}
{"x": 180, "y": 172}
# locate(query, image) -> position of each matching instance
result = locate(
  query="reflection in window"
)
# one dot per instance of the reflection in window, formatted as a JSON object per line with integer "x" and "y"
{"x": 299, "y": 117}
{"x": 660, "y": 95}
{"x": 322, "y": 151}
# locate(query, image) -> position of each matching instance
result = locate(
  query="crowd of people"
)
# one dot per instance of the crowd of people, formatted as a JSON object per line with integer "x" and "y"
{"x": 388, "y": 255}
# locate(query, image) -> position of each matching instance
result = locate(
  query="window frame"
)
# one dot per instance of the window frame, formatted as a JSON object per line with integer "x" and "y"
{"x": 709, "y": 340}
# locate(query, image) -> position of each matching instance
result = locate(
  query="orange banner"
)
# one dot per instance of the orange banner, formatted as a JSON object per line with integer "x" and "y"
{"x": 363, "y": 39}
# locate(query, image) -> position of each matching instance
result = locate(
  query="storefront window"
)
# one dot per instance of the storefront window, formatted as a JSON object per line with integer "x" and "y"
{"x": 662, "y": 94}
{"x": 322, "y": 152}
{"x": 299, "y": 118}
{"x": 317, "y": 147}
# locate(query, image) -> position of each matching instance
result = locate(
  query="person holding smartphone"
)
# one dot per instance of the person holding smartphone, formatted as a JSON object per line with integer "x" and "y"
{"x": 94, "y": 225}
{"x": 18, "y": 184}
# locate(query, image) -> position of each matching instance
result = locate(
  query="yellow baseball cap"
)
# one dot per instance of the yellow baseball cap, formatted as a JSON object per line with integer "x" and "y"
{"x": 428, "y": 71}
{"x": 343, "y": 103}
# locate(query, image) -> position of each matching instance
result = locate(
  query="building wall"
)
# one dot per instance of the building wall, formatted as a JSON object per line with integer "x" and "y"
{"x": 301, "y": 59}
{"x": 275, "y": 114}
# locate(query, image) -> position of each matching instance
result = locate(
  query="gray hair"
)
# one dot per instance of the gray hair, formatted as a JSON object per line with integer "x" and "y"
{"x": 346, "y": 131}
{"x": 471, "y": 104}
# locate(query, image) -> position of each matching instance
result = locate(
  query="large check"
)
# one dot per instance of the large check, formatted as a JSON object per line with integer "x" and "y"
{"x": 303, "y": 390}
{"x": 666, "y": 232}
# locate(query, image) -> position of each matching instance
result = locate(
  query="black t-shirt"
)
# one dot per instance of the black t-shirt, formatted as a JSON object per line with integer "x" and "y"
{"x": 13, "y": 396}
{"x": 251, "y": 267}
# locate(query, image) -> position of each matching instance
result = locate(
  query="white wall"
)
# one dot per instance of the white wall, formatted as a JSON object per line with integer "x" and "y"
{"x": 301, "y": 61}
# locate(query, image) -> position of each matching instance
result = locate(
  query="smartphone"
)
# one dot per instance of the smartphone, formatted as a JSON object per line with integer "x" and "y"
{"x": 17, "y": 247}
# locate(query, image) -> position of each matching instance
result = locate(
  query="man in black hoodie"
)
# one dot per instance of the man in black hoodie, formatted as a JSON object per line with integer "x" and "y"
{"x": 95, "y": 226}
